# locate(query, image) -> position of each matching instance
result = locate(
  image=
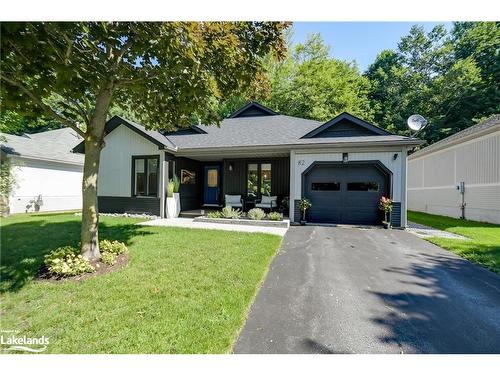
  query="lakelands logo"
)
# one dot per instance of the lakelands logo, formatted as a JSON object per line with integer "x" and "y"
{"x": 12, "y": 342}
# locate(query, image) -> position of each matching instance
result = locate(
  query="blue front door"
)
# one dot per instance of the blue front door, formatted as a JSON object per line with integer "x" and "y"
{"x": 211, "y": 185}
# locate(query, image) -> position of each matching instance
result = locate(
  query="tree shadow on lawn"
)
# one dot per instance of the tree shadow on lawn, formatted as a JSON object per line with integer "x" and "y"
{"x": 24, "y": 245}
{"x": 447, "y": 306}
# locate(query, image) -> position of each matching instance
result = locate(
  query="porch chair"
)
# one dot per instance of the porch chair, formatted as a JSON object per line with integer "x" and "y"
{"x": 267, "y": 202}
{"x": 235, "y": 201}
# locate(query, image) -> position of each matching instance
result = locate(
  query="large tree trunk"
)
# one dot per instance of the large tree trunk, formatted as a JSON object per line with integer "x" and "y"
{"x": 94, "y": 142}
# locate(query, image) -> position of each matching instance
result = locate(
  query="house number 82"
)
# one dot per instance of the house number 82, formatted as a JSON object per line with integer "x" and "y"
{"x": 301, "y": 162}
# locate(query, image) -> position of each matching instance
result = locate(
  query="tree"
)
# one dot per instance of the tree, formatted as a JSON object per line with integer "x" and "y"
{"x": 432, "y": 74}
{"x": 310, "y": 84}
{"x": 163, "y": 72}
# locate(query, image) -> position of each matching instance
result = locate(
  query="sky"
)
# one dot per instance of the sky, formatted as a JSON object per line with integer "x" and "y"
{"x": 360, "y": 41}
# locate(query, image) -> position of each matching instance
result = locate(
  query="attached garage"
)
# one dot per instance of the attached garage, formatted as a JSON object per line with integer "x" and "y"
{"x": 346, "y": 193}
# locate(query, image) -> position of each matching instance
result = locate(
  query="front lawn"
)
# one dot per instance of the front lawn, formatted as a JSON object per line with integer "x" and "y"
{"x": 184, "y": 290}
{"x": 483, "y": 246}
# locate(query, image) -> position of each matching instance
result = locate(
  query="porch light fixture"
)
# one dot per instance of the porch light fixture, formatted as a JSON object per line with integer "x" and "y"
{"x": 394, "y": 157}
{"x": 345, "y": 157}
{"x": 230, "y": 167}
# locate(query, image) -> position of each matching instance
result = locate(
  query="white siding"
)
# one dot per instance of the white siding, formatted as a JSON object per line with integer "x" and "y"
{"x": 433, "y": 180}
{"x": 115, "y": 178}
{"x": 300, "y": 161}
{"x": 60, "y": 185}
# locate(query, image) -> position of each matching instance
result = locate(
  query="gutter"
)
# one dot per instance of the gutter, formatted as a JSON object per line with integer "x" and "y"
{"x": 296, "y": 146}
{"x": 445, "y": 144}
{"x": 37, "y": 158}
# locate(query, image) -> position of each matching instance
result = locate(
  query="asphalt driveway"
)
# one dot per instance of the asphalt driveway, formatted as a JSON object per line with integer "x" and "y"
{"x": 352, "y": 290}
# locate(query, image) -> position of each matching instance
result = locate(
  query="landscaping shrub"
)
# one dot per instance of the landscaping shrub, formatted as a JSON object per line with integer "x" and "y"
{"x": 230, "y": 213}
{"x": 108, "y": 258}
{"x": 275, "y": 216}
{"x": 113, "y": 247}
{"x": 256, "y": 214}
{"x": 214, "y": 214}
{"x": 66, "y": 261}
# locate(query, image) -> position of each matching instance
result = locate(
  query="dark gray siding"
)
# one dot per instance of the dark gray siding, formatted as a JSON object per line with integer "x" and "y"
{"x": 345, "y": 128}
{"x": 396, "y": 214}
{"x": 296, "y": 211}
{"x": 190, "y": 194}
{"x": 132, "y": 205}
{"x": 235, "y": 181}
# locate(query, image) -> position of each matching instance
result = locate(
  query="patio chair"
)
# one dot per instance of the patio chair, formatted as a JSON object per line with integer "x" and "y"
{"x": 267, "y": 202}
{"x": 234, "y": 201}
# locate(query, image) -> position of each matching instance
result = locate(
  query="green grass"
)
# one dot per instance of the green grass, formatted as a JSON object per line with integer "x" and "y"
{"x": 482, "y": 246}
{"x": 184, "y": 290}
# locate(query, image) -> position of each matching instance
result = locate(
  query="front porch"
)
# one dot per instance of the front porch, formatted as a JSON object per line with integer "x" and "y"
{"x": 204, "y": 184}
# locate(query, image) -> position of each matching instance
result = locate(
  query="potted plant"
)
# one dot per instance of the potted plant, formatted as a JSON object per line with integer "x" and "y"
{"x": 385, "y": 204}
{"x": 173, "y": 198}
{"x": 304, "y": 205}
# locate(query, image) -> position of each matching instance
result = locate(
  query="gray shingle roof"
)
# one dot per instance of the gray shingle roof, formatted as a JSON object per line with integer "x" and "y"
{"x": 264, "y": 131}
{"x": 490, "y": 124}
{"x": 52, "y": 145}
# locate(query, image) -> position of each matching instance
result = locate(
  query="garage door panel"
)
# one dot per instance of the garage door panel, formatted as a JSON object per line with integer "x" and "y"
{"x": 345, "y": 193}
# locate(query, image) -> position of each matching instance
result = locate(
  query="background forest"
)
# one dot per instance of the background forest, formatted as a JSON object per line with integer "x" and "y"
{"x": 450, "y": 77}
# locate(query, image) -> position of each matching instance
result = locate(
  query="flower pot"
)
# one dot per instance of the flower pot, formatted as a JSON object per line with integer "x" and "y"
{"x": 386, "y": 225}
{"x": 173, "y": 206}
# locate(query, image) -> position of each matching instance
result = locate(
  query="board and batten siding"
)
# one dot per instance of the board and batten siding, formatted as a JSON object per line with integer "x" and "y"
{"x": 115, "y": 168}
{"x": 301, "y": 160}
{"x": 433, "y": 179}
{"x": 58, "y": 184}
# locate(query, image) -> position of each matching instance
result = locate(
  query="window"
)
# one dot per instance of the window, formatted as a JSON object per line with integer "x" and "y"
{"x": 145, "y": 170}
{"x": 265, "y": 179}
{"x": 258, "y": 179}
{"x": 325, "y": 186}
{"x": 362, "y": 186}
{"x": 253, "y": 180}
{"x": 212, "y": 178}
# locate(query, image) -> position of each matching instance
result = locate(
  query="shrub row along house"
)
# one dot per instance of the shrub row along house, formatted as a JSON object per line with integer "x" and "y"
{"x": 344, "y": 166}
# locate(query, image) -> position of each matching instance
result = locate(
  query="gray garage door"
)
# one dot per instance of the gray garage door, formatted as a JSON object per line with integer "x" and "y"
{"x": 343, "y": 193}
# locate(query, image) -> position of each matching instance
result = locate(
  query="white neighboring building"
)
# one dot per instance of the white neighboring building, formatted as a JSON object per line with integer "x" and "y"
{"x": 45, "y": 169}
{"x": 471, "y": 158}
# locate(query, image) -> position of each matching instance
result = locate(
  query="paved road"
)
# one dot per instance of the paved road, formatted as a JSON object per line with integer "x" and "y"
{"x": 351, "y": 290}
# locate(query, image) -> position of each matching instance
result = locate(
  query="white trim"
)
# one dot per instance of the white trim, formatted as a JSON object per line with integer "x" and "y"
{"x": 37, "y": 158}
{"x": 452, "y": 145}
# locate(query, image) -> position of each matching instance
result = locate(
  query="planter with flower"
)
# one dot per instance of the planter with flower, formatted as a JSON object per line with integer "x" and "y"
{"x": 173, "y": 198}
{"x": 304, "y": 205}
{"x": 385, "y": 205}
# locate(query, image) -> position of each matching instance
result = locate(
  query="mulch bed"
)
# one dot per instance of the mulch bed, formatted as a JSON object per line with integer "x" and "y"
{"x": 100, "y": 269}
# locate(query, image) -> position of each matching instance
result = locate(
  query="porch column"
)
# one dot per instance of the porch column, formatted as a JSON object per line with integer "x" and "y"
{"x": 291, "y": 199}
{"x": 163, "y": 183}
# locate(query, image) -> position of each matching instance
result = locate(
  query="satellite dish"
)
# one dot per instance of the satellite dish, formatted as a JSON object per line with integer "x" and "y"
{"x": 416, "y": 122}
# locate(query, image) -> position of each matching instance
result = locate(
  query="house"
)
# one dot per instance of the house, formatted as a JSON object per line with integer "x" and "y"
{"x": 459, "y": 176}
{"x": 48, "y": 174}
{"x": 343, "y": 166}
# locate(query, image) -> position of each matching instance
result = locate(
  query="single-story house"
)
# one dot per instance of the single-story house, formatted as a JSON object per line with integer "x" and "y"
{"x": 459, "y": 176}
{"x": 343, "y": 166}
{"x": 48, "y": 175}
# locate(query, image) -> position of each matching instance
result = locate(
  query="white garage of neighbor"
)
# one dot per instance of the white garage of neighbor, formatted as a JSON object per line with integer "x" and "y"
{"x": 459, "y": 176}
{"x": 48, "y": 176}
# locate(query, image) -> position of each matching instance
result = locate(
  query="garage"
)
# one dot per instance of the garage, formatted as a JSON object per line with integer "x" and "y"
{"x": 345, "y": 193}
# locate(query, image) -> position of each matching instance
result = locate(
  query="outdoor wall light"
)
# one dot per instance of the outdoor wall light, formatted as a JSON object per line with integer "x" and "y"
{"x": 231, "y": 167}
{"x": 394, "y": 157}
{"x": 345, "y": 157}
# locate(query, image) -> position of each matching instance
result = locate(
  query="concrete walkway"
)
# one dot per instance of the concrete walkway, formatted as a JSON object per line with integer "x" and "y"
{"x": 424, "y": 231}
{"x": 189, "y": 223}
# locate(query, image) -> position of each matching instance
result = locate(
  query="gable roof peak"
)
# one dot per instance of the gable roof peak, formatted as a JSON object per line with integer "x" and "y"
{"x": 253, "y": 109}
{"x": 352, "y": 119}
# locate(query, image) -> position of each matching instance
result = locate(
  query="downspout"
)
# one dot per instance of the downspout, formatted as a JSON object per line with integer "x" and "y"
{"x": 163, "y": 183}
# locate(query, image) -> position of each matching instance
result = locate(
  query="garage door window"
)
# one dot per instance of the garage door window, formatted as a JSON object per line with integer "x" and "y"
{"x": 325, "y": 186}
{"x": 362, "y": 186}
